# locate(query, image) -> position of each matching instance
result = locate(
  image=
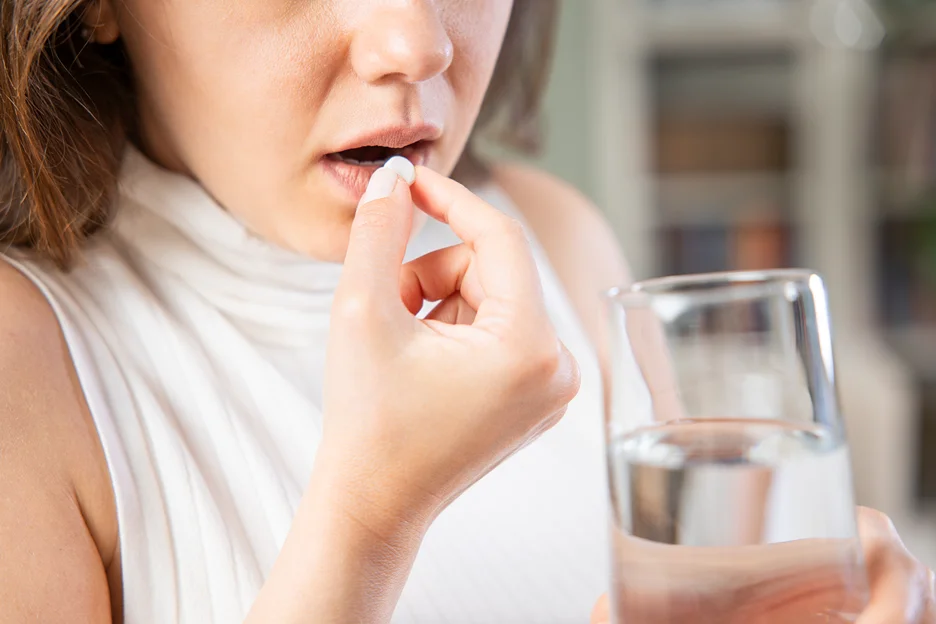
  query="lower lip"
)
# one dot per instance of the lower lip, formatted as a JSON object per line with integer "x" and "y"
{"x": 353, "y": 179}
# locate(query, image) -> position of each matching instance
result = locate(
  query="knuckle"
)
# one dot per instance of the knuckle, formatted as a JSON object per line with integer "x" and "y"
{"x": 877, "y": 524}
{"x": 549, "y": 364}
{"x": 541, "y": 363}
{"x": 875, "y": 518}
{"x": 574, "y": 379}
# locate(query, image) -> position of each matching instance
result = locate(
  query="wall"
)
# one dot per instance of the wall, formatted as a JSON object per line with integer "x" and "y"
{"x": 567, "y": 152}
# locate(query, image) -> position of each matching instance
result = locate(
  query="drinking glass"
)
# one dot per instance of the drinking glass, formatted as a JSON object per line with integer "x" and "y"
{"x": 729, "y": 470}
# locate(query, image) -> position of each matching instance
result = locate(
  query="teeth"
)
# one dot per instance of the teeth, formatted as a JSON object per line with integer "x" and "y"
{"x": 382, "y": 154}
{"x": 363, "y": 163}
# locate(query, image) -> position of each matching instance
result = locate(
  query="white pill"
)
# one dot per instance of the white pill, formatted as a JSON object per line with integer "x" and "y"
{"x": 403, "y": 168}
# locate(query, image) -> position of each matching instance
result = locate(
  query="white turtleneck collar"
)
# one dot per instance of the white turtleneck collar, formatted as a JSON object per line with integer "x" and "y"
{"x": 173, "y": 226}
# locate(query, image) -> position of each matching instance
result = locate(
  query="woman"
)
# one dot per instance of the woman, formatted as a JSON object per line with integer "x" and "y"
{"x": 202, "y": 419}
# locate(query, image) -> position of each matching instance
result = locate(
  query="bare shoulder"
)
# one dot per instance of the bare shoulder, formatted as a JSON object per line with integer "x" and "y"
{"x": 34, "y": 361}
{"x": 57, "y": 520}
{"x": 24, "y": 312}
{"x": 575, "y": 235}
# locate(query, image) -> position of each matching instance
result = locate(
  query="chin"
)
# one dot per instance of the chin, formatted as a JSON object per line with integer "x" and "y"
{"x": 307, "y": 240}
{"x": 317, "y": 239}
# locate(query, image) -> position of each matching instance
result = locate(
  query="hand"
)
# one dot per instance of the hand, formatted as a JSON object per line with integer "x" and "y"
{"x": 903, "y": 591}
{"x": 418, "y": 410}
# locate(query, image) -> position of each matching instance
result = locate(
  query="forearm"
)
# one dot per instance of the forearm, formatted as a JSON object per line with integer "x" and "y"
{"x": 339, "y": 563}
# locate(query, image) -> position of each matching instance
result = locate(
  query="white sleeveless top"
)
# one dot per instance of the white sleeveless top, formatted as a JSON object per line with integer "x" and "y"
{"x": 200, "y": 349}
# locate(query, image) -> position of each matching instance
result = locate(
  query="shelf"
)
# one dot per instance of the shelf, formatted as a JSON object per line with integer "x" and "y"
{"x": 731, "y": 198}
{"x": 899, "y": 199}
{"x": 726, "y": 25}
{"x": 914, "y": 27}
{"x": 753, "y": 84}
{"x": 829, "y": 105}
{"x": 916, "y": 343}
{"x": 901, "y": 195}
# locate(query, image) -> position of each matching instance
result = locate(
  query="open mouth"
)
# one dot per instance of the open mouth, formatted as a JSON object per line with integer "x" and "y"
{"x": 352, "y": 167}
{"x": 378, "y": 155}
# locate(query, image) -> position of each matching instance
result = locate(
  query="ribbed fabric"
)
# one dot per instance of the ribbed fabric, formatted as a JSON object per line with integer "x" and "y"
{"x": 200, "y": 349}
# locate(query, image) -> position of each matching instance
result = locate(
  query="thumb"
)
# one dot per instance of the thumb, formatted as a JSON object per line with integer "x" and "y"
{"x": 379, "y": 235}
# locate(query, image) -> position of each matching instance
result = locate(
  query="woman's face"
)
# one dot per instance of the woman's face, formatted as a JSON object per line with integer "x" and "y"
{"x": 283, "y": 108}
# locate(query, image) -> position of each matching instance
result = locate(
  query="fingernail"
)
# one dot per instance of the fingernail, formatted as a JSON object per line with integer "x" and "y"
{"x": 381, "y": 185}
{"x": 403, "y": 167}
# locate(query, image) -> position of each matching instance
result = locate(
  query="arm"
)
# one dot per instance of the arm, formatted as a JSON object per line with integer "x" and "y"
{"x": 586, "y": 256}
{"x": 57, "y": 534}
{"x": 339, "y": 561}
{"x": 58, "y": 523}
{"x": 393, "y": 453}
{"x": 578, "y": 241}
{"x": 575, "y": 235}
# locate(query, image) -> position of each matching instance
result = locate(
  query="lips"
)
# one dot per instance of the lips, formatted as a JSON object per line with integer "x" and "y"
{"x": 353, "y": 163}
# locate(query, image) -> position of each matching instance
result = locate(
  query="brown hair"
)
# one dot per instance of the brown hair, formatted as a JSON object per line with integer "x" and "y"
{"x": 511, "y": 111}
{"x": 66, "y": 108}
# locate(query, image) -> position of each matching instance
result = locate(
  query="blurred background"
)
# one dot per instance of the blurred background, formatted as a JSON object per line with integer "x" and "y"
{"x": 749, "y": 134}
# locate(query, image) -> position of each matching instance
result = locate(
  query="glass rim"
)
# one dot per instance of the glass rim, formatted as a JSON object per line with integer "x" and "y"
{"x": 670, "y": 284}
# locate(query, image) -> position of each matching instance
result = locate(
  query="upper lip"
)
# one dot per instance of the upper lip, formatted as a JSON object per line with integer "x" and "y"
{"x": 394, "y": 137}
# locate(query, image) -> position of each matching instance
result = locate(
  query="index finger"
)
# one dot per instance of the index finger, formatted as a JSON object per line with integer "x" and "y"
{"x": 506, "y": 268}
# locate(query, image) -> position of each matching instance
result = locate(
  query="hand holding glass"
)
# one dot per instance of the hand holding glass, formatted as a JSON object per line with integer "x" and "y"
{"x": 729, "y": 468}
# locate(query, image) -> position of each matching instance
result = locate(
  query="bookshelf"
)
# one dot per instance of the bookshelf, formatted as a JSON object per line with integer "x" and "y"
{"x": 747, "y": 197}
{"x": 913, "y": 22}
{"x": 734, "y": 25}
{"x": 786, "y": 176}
{"x": 906, "y": 198}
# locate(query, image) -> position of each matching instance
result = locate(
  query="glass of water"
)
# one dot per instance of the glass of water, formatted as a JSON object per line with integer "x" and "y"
{"x": 729, "y": 469}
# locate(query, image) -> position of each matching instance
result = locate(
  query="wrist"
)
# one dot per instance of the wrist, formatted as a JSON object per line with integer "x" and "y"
{"x": 362, "y": 495}
{"x": 346, "y": 559}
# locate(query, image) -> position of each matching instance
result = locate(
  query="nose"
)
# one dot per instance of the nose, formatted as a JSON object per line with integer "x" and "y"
{"x": 407, "y": 41}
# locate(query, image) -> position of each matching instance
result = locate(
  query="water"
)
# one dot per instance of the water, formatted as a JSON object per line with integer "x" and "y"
{"x": 734, "y": 521}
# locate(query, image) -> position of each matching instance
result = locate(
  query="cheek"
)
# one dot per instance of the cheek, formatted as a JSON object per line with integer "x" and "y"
{"x": 212, "y": 69}
{"x": 477, "y": 29}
